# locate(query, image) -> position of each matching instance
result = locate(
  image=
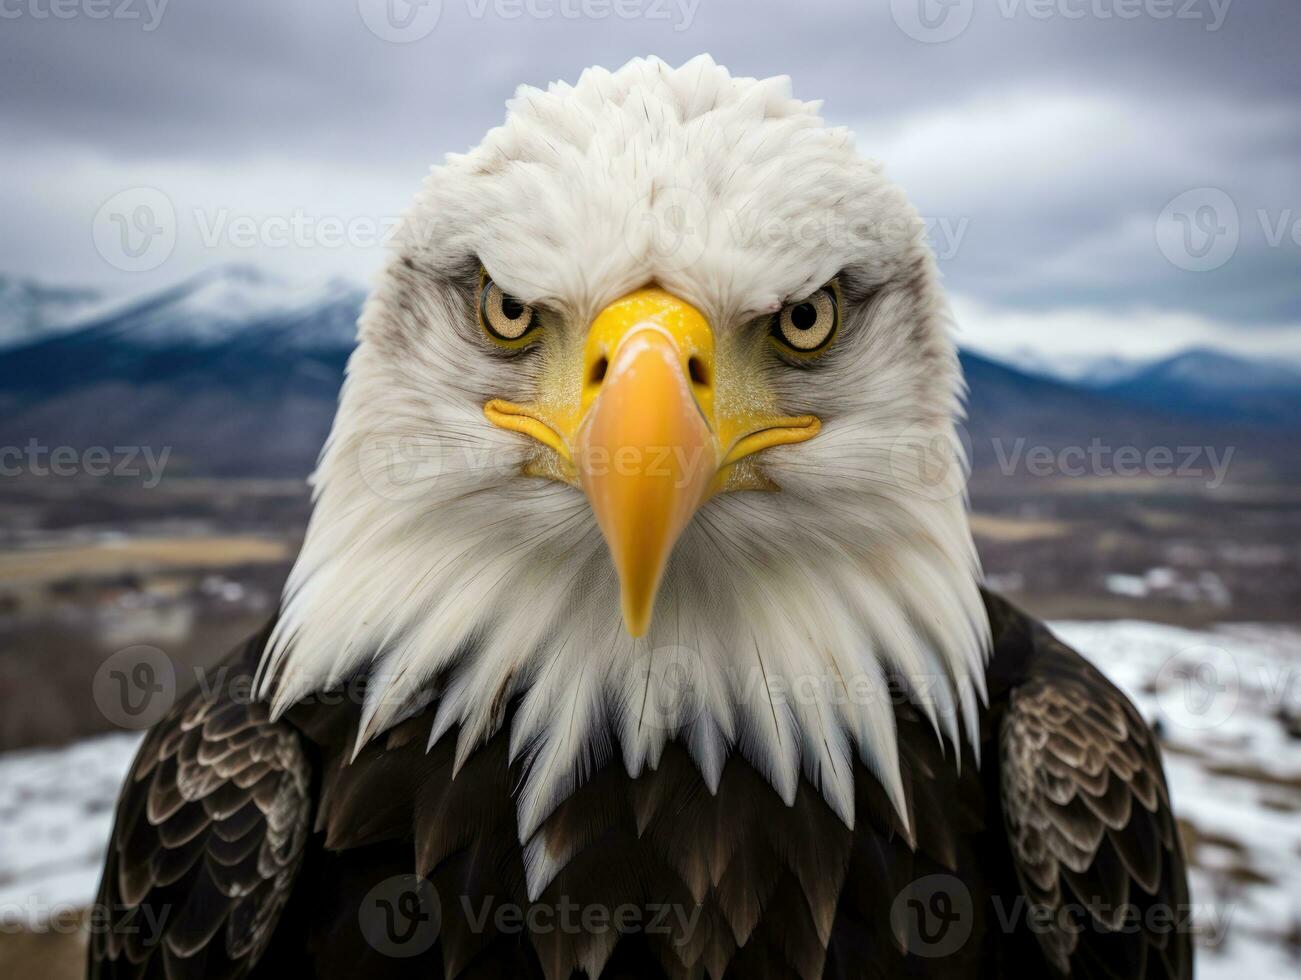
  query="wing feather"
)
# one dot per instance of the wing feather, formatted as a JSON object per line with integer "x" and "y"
{"x": 210, "y": 831}
{"x": 1089, "y": 821}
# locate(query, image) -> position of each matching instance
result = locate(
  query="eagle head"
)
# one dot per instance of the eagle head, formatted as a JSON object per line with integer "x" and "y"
{"x": 649, "y": 435}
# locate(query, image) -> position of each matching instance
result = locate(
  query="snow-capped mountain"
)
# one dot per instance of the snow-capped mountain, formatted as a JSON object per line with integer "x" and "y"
{"x": 30, "y": 310}
{"x": 236, "y": 371}
{"x": 1083, "y": 369}
{"x": 1200, "y": 367}
{"x": 1200, "y": 382}
{"x": 223, "y": 304}
{"x": 1212, "y": 384}
{"x": 1204, "y": 367}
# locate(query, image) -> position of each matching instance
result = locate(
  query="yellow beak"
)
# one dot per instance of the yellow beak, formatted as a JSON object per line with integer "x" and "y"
{"x": 645, "y": 457}
{"x": 648, "y": 447}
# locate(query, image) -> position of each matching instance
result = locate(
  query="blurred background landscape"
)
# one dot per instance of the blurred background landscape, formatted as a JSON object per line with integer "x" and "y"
{"x": 1115, "y": 203}
{"x": 1163, "y": 489}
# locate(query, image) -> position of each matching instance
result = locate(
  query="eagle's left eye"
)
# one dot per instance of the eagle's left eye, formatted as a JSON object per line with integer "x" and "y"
{"x": 505, "y": 319}
{"x": 807, "y": 327}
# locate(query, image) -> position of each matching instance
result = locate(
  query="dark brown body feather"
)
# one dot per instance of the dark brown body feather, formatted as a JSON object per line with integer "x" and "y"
{"x": 265, "y": 852}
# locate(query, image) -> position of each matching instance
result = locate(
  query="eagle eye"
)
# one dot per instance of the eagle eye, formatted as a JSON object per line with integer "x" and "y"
{"x": 807, "y": 327}
{"x": 505, "y": 319}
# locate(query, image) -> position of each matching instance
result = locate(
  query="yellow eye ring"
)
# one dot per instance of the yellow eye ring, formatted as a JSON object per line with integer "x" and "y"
{"x": 507, "y": 322}
{"x": 806, "y": 329}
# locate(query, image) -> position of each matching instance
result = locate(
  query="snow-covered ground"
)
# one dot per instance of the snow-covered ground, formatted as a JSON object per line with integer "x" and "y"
{"x": 1228, "y": 704}
{"x": 56, "y": 812}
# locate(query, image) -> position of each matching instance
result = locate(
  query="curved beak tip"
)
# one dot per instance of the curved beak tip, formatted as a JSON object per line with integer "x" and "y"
{"x": 636, "y": 617}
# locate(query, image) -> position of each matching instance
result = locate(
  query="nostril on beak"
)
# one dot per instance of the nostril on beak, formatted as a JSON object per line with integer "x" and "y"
{"x": 599, "y": 367}
{"x": 699, "y": 373}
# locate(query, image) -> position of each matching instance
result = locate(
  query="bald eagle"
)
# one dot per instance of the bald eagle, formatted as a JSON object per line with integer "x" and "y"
{"x": 636, "y": 631}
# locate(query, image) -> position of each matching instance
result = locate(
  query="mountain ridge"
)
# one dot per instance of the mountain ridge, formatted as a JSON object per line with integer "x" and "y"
{"x": 239, "y": 372}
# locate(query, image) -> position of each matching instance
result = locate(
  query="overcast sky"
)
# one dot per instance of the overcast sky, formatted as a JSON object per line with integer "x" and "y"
{"x": 1098, "y": 174}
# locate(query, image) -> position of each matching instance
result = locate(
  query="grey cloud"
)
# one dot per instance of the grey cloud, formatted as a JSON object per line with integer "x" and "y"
{"x": 225, "y": 86}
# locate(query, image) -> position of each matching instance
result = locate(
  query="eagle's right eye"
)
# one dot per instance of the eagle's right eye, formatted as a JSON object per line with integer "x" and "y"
{"x": 807, "y": 328}
{"x": 505, "y": 319}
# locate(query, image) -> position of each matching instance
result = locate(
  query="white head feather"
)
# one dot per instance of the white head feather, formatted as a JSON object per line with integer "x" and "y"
{"x": 434, "y": 566}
